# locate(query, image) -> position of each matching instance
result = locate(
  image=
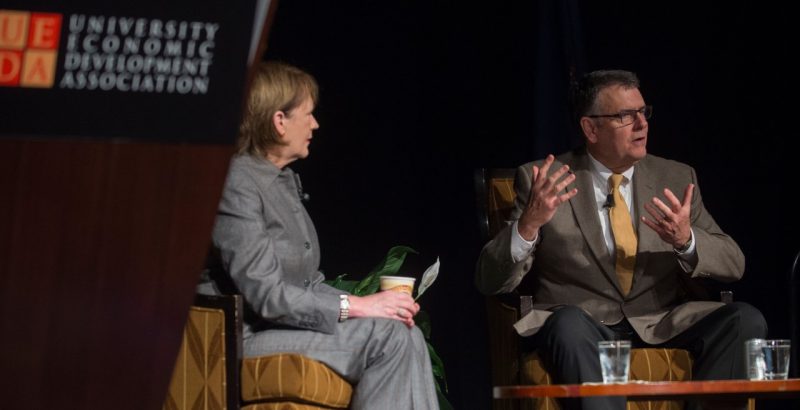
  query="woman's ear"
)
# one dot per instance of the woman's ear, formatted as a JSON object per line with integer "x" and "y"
{"x": 278, "y": 120}
{"x": 589, "y": 129}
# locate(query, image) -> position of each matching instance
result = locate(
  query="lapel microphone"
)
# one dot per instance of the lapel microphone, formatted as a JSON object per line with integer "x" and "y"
{"x": 609, "y": 201}
{"x": 303, "y": 196}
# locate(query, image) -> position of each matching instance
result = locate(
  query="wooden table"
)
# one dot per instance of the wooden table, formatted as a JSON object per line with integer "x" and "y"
{"x": 659, "y": 390}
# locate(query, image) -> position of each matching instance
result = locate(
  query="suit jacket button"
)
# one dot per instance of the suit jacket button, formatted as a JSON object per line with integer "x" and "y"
{"x": 306, "y": 282}
{"x": 307, "y": 245}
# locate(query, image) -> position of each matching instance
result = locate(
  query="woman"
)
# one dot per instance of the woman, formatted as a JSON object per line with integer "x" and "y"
{"x": 269, "y": 253}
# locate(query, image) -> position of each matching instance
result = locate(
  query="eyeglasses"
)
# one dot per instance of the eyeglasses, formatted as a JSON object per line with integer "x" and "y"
{"x": 627, "y": 117}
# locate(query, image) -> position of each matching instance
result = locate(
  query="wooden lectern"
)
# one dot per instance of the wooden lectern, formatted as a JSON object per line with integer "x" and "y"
{"x": 117, "y": 123}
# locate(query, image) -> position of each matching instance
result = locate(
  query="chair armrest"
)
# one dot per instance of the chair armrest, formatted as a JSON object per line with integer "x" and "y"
{"x": 231, "y": 349}
{"x": 232, "y": 306}
{"x": 520, "y": 304}
{"x": 525, "y": 305}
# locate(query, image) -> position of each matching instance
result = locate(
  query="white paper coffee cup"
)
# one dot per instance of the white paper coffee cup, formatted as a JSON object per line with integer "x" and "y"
{"x": 403, "y": 284}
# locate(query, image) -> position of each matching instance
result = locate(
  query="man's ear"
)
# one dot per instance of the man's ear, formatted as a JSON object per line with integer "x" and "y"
{"x": 589, "y": 129}
{"x": 278, "y": 120}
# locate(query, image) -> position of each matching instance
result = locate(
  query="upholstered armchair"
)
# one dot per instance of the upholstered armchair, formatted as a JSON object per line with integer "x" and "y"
{"x": 210, "y": 372}
{"x": 511, "y": 366}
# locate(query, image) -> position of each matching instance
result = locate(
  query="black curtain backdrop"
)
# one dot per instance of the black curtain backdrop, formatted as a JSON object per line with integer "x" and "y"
{"x": 416, "y": 95}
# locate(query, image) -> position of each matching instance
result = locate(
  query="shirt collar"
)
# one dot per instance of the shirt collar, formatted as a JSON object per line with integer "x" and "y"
{"x": 602, "y": 173}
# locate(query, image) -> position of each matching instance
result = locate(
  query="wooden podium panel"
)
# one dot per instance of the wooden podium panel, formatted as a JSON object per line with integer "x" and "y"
{"x": 115, "y": 139}
{"x": 101, "y": 245}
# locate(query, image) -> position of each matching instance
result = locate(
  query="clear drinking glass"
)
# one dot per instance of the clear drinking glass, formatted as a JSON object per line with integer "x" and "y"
{"x": 767, "y": 359}
{"x": 776, "y": 359}
{"x": 754, "y": 358}
{"x": 615, "y": 360}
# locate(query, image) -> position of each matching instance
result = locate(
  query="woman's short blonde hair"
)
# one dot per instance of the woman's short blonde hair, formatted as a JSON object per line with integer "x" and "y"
{"x": 276, "y": 87}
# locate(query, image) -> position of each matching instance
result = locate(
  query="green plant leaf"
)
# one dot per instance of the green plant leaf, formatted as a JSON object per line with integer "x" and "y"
{"x": 437, "y": 365}
{"x": 439, "y": 378}
{"x": 390, "y": 265}
{"x": 340, "y": 283}
{"x": 423, "y": 322}
{"x": 444, "y": 404}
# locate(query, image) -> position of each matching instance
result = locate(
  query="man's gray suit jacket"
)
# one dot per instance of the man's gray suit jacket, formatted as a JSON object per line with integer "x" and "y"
{"x": 571, "y": 264}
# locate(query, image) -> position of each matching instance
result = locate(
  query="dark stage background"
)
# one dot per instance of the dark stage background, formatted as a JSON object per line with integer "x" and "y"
{"x": 416, "y": 95}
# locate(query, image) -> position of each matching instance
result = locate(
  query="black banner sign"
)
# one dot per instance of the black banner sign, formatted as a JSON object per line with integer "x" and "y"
{"x": 161, "y": 71}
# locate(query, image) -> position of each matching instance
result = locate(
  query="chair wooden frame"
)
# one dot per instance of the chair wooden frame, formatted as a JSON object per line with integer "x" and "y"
{"x": 502, "y": 310}
{"x": 231, "y": 305}
{"x": 207, "y": 368}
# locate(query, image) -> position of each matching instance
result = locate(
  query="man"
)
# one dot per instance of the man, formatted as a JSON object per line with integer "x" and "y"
{"x": 614, "y": 252}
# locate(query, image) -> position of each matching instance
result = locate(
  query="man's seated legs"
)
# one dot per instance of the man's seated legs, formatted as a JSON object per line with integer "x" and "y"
{"x": 568, "y": 345}
{"x": 717, "y": 342}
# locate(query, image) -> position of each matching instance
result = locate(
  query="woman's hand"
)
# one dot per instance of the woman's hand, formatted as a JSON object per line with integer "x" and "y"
{"x": 389, "y": 304}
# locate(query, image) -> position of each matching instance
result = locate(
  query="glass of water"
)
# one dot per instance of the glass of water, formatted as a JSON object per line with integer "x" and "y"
{"x": 776, "y": 359}
{"x": 754, "y": 358}
{"x": 767, "y": 359}
{"x": 615, "y": 360}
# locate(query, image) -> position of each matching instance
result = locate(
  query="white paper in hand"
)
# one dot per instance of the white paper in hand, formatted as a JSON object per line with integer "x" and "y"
{"x": 428, "y": 278}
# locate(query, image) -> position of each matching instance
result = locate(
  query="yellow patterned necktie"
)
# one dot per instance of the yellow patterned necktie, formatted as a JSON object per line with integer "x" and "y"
{"x": 624, "y": 236}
